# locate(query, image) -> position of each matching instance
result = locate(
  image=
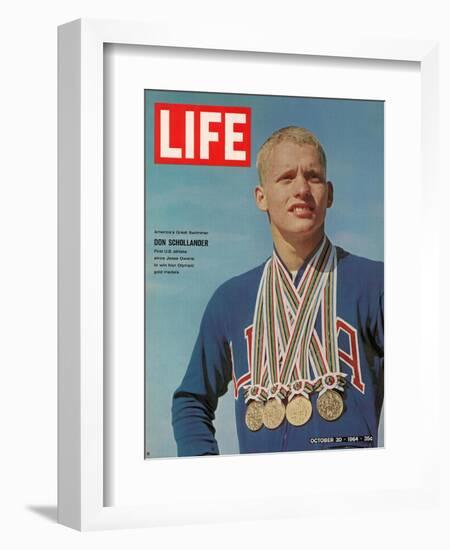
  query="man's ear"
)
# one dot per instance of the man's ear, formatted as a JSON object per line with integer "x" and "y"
{"x": 330, "y": 194}
{"x": 260, "y": 198}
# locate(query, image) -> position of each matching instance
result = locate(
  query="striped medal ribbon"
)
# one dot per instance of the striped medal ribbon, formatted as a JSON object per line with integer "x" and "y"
{"x": 329, "y": 381}
{"x": 255, "y": 394}
{"x": 283, "y": 322}
{"x": 302, "y": 309}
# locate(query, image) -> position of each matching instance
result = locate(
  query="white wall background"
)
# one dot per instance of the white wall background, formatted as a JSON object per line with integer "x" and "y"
{"x": 28, "y": 265}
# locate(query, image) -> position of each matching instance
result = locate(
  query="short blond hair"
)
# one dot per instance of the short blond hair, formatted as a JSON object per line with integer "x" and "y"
{"x": 294, "y": 134}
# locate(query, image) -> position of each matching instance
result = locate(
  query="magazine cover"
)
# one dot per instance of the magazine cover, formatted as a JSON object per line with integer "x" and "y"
{"x": 264, "y": 249}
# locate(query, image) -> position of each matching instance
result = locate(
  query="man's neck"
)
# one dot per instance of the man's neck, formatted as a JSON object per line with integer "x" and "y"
{"x": 294, "y": 251}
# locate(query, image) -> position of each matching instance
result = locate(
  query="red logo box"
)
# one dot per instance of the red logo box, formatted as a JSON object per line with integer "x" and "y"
{"x": 202, "y": 134}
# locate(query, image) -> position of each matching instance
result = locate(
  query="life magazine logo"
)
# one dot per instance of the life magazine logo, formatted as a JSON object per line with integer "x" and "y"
{"x": 202, "y": 134}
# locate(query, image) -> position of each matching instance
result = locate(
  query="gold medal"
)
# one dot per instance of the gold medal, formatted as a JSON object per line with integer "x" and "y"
{"x": 254, "y": 416}
{"x": 273, "y": 414}
{"x": 330, "y": 405}
{"x": 298, "y": 410}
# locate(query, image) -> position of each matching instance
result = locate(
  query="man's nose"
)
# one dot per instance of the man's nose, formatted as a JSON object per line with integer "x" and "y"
{"x": 300, "y": 185}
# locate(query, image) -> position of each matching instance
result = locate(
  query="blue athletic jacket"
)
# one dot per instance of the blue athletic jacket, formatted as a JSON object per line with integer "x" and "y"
{"x": 219, "y": 362}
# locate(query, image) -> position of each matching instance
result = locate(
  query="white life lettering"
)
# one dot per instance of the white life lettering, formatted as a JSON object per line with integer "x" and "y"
{"x": 206, "y": 136}
{"x": 166, "y": 150}
{"x": 232, "y": 137}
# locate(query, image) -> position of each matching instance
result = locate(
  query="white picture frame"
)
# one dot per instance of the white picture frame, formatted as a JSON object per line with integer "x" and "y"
{"x": 82, "y": 484}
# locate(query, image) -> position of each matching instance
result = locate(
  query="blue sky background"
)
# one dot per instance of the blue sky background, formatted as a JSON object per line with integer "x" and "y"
{"x": 220, "y": 200}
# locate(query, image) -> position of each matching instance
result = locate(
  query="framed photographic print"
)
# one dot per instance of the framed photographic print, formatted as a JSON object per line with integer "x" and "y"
{"x": 231, "y": 234}
{"x": 204, "y": 226}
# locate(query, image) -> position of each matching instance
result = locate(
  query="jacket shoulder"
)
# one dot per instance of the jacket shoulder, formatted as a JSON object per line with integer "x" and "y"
{"x": 362, "y": 275}
{"x": 374, "y": 268}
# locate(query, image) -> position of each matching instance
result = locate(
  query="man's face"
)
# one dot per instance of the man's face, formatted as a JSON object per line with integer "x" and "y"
{"x": 294, "y": 192}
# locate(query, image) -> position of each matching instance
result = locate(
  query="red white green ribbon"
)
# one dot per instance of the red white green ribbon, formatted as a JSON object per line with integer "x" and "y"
{"x": 324, "y": 359}
{"x": 284, "y": 341}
